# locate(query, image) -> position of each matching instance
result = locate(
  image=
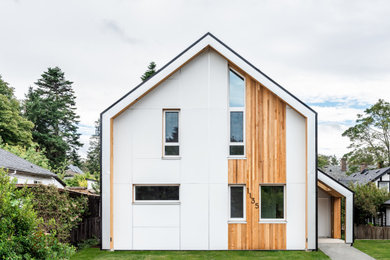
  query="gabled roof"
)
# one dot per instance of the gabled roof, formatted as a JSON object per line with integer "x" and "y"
{"x": 365, "y": 176}
{"x": 207, "y": 40}
{"x": 13, "y": 162}
{"x": 75, "y": 169}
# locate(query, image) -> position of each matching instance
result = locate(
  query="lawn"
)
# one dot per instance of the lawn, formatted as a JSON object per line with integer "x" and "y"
{"x": 379, "y": 249}
{"x": 94, "y": 253}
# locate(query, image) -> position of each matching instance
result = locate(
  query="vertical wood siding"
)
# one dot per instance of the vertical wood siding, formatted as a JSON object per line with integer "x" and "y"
{"x": 265, "y": 163}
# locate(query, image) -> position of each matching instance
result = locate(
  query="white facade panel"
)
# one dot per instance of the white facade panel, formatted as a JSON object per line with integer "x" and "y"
{"x": 156, "y": 238}
{"x": 194, "y": 216}
{"x": 152, "y": 170}
{"x": 122, "y": 217}
{"x": 296, "y": 180}
{"x": 219, "y": 214}
{"x": 324, "y": 214}
{"x": 156, "y": 215}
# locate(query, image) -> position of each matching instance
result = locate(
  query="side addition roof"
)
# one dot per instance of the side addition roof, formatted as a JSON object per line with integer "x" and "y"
{"x": 365, "y": 176}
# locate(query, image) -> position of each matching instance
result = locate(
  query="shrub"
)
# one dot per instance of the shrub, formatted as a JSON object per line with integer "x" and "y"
{"x": 20, "y": 235}
{"x": 60, "y": 212}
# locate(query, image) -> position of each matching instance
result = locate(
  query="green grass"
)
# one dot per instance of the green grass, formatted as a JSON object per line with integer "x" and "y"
{"x": 95, "y": 253}
{"x": 379, "y": 249}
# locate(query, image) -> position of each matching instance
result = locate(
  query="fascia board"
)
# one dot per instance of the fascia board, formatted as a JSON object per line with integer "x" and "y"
{"x": 334, "y": 185}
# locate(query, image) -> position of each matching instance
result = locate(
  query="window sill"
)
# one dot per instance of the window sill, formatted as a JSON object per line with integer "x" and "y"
{"x": 171, "y": 157}
{"x": 236, "y": 222}
{"x": 273, "y": 221}
{"x": 236, "y": 157}
{"x": 156, "y": 203}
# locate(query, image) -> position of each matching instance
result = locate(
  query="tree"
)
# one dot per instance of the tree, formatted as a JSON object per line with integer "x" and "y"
{"x": 325, "y": 160}
{"x": 51, "y": 107}
{"x": 370, "y": 137}
{"x": 149, "y": 72}
{"x": 368, "y": 200}
{"x": 93, "y": 156}
{"x": 14, "y": 128}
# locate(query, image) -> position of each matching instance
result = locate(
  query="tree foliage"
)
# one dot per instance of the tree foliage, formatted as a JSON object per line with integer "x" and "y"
{"x": 93, "y": 156}
{"x": 14, "y": 128}
{"x": 370, "y": 137}
{"x": 368, "y": 200}
{"x": 150, "y": 71}
{"x": 20, "y": 234}
{"x": 51, "y": 106}
{"x": 325, "y": 160}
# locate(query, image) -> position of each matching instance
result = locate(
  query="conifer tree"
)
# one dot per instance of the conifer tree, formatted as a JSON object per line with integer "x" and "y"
{"x": 150, "y": 71}
{"x": 93, "y": 156}
{"x": 51, "y": 107}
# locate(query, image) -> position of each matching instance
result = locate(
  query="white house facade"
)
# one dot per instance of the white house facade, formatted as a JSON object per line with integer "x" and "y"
{"x": 209, "y": 154}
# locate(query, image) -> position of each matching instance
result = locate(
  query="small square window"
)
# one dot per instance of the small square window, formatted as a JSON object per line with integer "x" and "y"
{"x": 272, "y": 202}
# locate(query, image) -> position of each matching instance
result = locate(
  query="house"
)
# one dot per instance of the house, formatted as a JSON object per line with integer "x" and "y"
{"x": 209, "y": 154}
{"x": 72, "y": 171}
{"x": 27, "y": 173}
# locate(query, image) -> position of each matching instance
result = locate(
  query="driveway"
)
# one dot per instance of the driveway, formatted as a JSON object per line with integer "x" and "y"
{"x": 336, "y": 249}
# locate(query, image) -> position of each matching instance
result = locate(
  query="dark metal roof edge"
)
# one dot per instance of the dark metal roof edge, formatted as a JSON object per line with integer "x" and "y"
{"x": 377, "y": 177}
{"x": 230, "y": 49}
{"x": 327, "y": 175}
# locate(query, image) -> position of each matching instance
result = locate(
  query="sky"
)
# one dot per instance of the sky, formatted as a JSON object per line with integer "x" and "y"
{"x": 333, "y": 55}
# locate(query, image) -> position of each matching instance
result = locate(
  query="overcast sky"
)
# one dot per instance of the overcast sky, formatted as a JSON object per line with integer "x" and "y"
{"x": 333, "y": 55}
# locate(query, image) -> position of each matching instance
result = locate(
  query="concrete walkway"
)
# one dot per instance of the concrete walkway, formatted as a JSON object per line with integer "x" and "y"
{"x": 336, "y": 249}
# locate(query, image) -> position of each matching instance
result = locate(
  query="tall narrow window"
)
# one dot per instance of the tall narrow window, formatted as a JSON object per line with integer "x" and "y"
{"x": 272, "y": 202}
{"x": 171, "y": 133}
{"x": 237, "y": 114}
{"x": 237, "y": 202}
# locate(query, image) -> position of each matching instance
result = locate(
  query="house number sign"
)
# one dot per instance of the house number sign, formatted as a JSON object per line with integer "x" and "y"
{"x": 253, "y": 201}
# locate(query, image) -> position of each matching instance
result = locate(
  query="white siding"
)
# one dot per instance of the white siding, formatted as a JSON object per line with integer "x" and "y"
{"x": 199, "y": 90}
{"x": 30, "y": 179}
{"x": 295, "y": 176}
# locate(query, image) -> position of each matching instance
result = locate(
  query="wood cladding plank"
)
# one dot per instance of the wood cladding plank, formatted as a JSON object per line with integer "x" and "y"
{"x": 336, "y": 221}
{"x": 265, "y": 147}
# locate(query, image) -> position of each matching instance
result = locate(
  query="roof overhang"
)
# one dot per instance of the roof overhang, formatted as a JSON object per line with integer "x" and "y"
{"x": 331, "y": 185}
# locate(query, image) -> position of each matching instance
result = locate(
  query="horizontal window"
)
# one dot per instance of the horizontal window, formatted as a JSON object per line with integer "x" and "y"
{"x": 237, "y": 202}
{"x": 236, "y": 150}
{"x": 156, "y": 193}
{"x": 272, "y": 202}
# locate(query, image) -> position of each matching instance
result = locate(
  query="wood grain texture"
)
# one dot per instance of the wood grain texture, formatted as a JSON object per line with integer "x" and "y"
{"x": 265, "y": 163}
{"x": 336, "y": 217}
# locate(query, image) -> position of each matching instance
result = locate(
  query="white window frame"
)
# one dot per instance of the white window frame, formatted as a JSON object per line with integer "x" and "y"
{"x": 135, "y": 201}
{"x": 273, "y": 220}
{"x": 243, "y": 219}
{"x": 237, "y": 109}
{"x": 169, "y": 143}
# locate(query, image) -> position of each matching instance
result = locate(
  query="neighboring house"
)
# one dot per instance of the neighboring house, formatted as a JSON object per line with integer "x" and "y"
{"x": 90, "y": 183}
{"x": 72, "y": 170}
{"x": 26, "y": 172}
{"x": 209, "y": 154}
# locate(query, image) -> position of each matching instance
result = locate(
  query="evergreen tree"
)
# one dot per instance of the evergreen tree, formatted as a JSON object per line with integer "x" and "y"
{"x": 51, "y": 107}
{"x": 14, "y": 128}
{"x": 150, "y": 71}
{"x": 93, "y": 156}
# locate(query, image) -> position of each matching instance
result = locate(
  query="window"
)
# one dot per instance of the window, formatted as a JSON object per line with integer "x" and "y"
{"x": 237, "y": 114}
{"x": 156, "y": 193}
{"x": 272, "y": 202}
{"x": 37, "y": 182}
{"x": 171, "y": 133}
{"x": 383, "y": 185}
{"x": 237, "y": 202}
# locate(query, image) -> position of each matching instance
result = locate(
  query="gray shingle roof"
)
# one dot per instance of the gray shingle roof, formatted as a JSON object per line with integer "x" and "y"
{"x": 75, "y": 169}
{"x": 13, "y": 162}
{"x": 365, "y": 176}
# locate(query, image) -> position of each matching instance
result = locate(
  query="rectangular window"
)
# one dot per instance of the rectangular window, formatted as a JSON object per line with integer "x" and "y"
{"x": 383, "y": 185}
{"x": 237, "y": 114}
{"x": 272, "y": 202}
{"x": 156, "y": 193}
{"x": 237, "y": 202}
{"x": 171, "y": 133}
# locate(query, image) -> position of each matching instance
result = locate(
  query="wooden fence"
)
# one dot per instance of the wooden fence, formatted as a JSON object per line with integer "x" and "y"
{"x": 90, "y": 227}
{"x": 371, "y": 232}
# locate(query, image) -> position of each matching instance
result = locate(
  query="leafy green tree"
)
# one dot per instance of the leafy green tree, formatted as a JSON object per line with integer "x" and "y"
{"x": 322, "y": 161}
{"x": 370, "y": 137}
{"x": 93, "y": 156}
{"x": 14, "y": 128}
{"x": 368, "y": 200}
{"x": 51, "y": 106}
{"x": 149, "y": 72}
